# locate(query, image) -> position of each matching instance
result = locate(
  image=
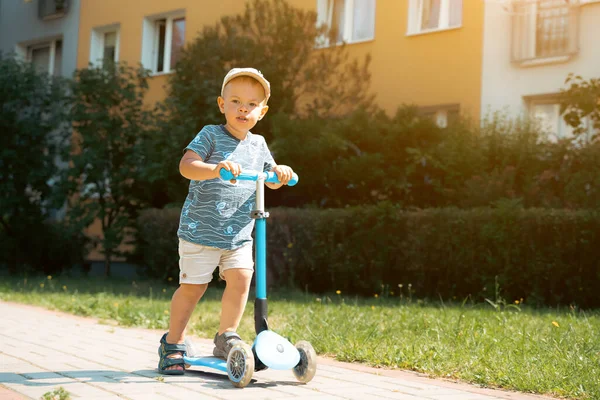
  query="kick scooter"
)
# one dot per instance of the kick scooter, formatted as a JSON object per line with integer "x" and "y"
{"x": 269, "y": 349}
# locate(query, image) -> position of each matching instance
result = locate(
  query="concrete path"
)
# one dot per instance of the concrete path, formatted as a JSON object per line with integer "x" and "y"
{"x": 41, "y": 350}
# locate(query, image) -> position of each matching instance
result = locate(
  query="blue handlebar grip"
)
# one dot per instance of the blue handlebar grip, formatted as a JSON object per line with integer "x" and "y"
{"x": 243, "y": 176}
{"x": 226, "y": 175}
{"x": 253, "y": 176}
{"x": 272, "y": 178}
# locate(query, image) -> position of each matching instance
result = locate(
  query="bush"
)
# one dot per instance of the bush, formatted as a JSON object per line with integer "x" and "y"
{"x": 542, "y": 256}
{"x": 54, "y": 248}
{"x": 105, "y": 178}
{"x": 157, "y": 242}
{"x": 34, "y": 126}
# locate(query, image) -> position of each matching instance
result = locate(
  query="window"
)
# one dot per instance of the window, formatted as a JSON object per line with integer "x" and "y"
{"x": 105, "y": 45}
{"x": 46, "y": 56}
{"x": 163, "y": 41}
{"x": 546, "y": 112}
{"x": 434, "y": 15}
{"x": 544, "y": 30}
{"x": 351, "y": 20}
{"x": 442, "y": 115}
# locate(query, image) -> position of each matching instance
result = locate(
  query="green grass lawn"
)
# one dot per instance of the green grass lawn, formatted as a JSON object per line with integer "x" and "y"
{"x": 548, "y": 351}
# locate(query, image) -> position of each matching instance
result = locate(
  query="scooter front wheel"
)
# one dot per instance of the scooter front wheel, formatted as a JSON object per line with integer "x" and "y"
{"x": 240, "y": 364}
{"x": 307, "y": 367}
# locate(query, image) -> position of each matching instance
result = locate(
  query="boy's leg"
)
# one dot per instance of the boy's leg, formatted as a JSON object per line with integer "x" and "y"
{"x": 236, "y": 269}
{"x": 183, "y": 302}
{"x": 196, "y": 266}
{"x": 234, "y": 298}
{"x": 233, "y": 303}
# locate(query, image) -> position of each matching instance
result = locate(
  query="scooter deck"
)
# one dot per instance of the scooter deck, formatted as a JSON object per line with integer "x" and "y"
{"x": 210, "y": 362}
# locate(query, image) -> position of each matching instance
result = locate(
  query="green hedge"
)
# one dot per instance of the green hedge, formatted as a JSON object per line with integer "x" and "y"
{"x": 156, "y": 243}
{"x": 542, "y": 256}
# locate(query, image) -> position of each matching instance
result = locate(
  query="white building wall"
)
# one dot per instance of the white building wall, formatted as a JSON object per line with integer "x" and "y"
{"x": 504, "y": 84}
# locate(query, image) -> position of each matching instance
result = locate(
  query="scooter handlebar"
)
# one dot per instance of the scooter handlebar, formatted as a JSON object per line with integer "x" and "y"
{"x": 270, "y": 177}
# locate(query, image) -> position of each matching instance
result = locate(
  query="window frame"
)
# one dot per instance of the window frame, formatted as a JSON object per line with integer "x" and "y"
{"x": 348, "y": 22}
{"x": 524, "y": 34}
{"x": 554, "y": 100}
{"x": 441, "y": 114}
{"x": 415, "y": 17}
{"x": 25, "y": 51}
{"x": 151, "y": 39}
{"x": 97, "y": 43}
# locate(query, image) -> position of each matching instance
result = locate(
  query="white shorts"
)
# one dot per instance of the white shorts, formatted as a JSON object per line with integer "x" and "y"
{"x": 197, "y": 263}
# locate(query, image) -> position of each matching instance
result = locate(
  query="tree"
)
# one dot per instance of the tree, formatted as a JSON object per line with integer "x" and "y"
{"x": 34, "y": 126}
{"x": 111, "y": 125}
{"x": 579, "y": 101}
{"x": 305, "y": 80}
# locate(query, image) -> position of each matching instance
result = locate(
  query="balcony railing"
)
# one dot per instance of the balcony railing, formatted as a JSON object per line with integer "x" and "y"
{"x": 544, "y": 30}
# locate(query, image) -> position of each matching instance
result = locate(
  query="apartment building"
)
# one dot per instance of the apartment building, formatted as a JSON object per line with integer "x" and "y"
{"x": 529, "y": 48}
{"x": 44, "y": 32}
{"x": 424, "y": 52}
{"x": 448, "y": 57}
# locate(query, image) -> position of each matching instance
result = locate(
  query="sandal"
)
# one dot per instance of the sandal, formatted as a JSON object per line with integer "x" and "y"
{"x": 167, "y": 349}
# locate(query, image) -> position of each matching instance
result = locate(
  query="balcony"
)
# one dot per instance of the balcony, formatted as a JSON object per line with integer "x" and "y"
{"x": 52, "y": 9}
{"x": 545, "y": 31}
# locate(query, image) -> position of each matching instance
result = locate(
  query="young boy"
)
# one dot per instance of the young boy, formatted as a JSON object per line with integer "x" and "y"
{"x": 215, "y": 226}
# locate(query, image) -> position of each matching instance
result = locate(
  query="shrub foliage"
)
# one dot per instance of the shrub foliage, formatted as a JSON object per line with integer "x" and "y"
{"x": 506, "y": 253}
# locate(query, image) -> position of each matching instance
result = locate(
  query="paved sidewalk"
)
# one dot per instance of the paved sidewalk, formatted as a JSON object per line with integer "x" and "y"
{"x": 41, "y": 350}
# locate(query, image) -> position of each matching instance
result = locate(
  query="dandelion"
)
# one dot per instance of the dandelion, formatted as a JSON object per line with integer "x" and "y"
{"x": 290, "y": 245}
{"x": 400, "y": 285}
{"x": 338, "y": 292}
{"x": 318, "y": 300}
{"x": 517, "y": 302}
{"x": 116, "y": 304}
{"x": 392, "y": 292}
{"x": 166, "y": 312}
{"x": 164, "y": 290}
{"x": 170, "y": 279}
{"x": 372, "y": 307}
{"x": 49, "y": 277}
{"x": 376, "y": 295}
{"x": 42, "y": 285}
{"x": 64, "y": 287}
{"x": 555, "y": 324}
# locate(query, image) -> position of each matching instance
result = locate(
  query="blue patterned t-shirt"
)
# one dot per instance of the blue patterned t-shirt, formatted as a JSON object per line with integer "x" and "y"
{"x": 216, "y": 213}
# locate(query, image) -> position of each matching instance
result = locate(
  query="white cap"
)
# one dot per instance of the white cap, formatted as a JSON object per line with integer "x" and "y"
{"x": 251, "y": 72}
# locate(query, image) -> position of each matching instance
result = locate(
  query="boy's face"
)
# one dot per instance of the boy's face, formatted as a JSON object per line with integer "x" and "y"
{"x": 243, "y": 104}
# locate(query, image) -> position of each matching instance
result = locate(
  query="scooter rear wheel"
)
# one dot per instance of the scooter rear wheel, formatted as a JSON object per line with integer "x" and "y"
{"x": 307, "y": 367}
{"x": 240, "y": 364}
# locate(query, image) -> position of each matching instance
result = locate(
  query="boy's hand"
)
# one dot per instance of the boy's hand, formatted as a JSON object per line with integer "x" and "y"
{"x": 284, "y": 173}
{"x": 230, "y": 166}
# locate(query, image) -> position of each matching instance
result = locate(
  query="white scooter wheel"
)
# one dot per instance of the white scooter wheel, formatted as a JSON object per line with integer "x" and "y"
{"x": 307, "y": 367}
{"x": 240, "y": 364}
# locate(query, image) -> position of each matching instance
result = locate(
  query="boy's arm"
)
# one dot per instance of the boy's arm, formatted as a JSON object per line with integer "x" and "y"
{"x": 194, "y": 168}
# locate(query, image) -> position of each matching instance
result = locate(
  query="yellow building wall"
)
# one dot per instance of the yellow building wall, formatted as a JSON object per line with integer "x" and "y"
{"x": 129, "y": 14}
{"x": 429, "y": 69}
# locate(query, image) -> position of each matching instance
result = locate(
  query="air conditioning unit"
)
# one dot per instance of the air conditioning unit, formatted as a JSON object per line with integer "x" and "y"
{"x": 52, "y": 9}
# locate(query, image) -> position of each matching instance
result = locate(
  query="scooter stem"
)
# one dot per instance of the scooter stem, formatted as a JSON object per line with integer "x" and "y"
{"x": 260, "y": 304}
